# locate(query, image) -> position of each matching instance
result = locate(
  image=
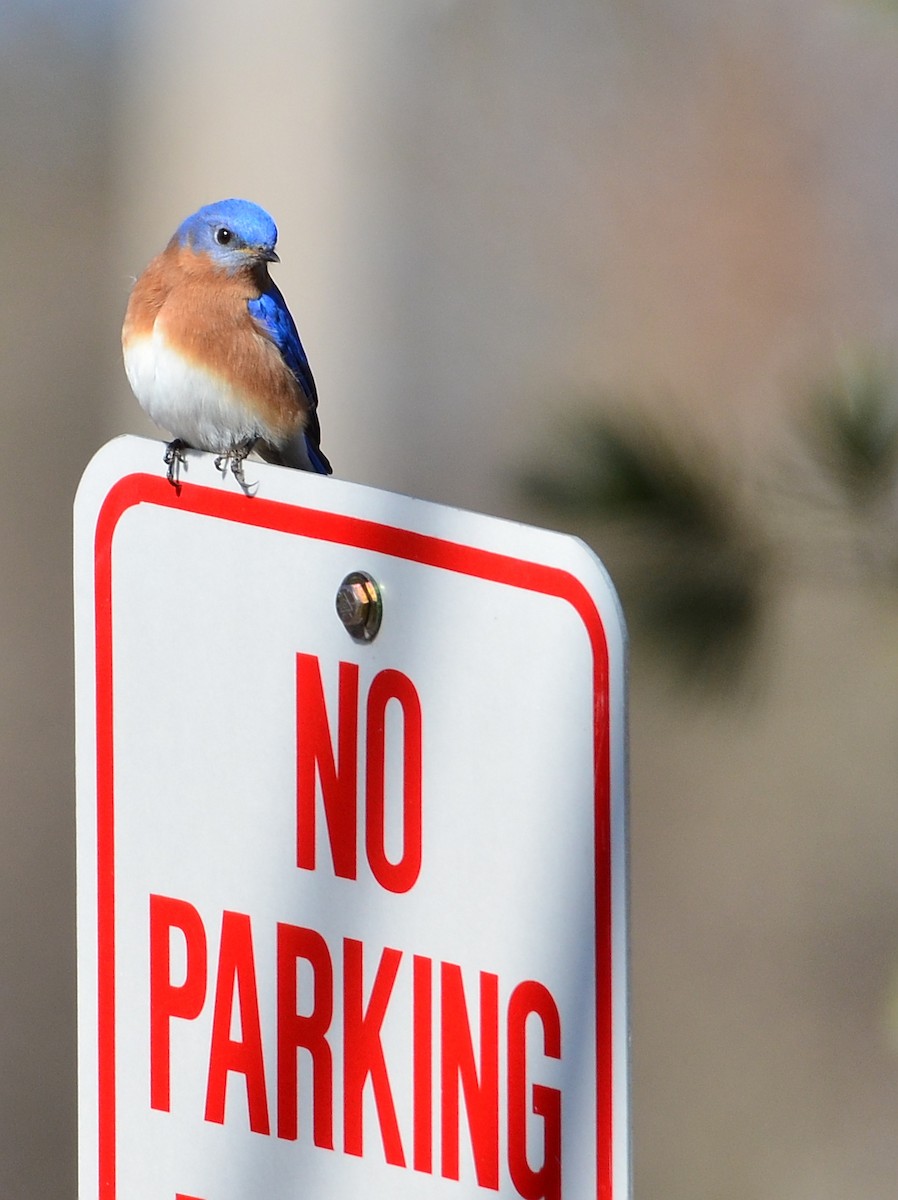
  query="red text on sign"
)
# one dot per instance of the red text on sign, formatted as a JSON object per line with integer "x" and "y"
{"x": 327, "y": 754}
{"x": 449, "y": 1051}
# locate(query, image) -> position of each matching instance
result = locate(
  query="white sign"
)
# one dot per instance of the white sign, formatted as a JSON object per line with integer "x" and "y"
{"x": 351, "y": 916}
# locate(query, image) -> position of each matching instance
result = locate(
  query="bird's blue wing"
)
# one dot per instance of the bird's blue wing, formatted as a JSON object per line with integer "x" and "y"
{"x": 270, "y": 312}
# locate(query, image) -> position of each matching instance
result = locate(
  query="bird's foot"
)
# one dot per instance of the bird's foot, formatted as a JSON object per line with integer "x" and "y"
{"x": 174, "y": 459}
{"x": 236, "y": 456}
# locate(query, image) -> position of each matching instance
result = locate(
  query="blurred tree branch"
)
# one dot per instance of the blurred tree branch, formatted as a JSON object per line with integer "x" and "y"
{"x": 695, "y": 562}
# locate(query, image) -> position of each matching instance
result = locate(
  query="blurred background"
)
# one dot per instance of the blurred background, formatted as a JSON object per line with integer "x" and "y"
{"x": 629, "y": 269}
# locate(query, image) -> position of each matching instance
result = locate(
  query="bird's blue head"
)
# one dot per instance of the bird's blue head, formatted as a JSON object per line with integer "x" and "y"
{"x": 234, "y": 233}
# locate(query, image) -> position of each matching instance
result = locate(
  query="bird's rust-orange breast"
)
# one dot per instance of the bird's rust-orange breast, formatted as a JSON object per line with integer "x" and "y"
{"x": 200, "y": 312}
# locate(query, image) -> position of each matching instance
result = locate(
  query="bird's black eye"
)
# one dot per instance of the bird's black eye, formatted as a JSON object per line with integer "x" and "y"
{"x": 223, "y": 236}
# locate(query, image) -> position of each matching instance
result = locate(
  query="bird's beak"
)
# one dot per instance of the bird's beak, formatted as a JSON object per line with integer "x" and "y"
{"x": 268, "y": 255}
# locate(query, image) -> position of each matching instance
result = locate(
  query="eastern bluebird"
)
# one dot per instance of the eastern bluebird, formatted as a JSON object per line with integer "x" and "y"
{"x": 212, "y": 352}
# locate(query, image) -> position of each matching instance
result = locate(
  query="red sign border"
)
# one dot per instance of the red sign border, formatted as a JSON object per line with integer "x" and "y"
{"x": 282, "y": 517}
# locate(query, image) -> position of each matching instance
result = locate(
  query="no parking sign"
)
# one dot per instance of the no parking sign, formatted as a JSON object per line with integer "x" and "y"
{"x": 351, "y": 845}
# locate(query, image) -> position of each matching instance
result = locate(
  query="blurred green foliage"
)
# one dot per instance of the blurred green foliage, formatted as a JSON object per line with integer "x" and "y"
{"x": 688, "y": 532}
{"x": 852, "y": 428}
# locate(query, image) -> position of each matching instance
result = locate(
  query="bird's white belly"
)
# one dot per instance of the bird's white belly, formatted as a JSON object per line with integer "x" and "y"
{"x": 190, "y": 402}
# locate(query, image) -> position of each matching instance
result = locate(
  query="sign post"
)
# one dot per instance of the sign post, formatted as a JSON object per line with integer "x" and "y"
{"x": 351, "y": 845}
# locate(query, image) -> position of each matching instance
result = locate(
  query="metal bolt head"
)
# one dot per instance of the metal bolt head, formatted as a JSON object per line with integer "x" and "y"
{"x": 359, "y": 606}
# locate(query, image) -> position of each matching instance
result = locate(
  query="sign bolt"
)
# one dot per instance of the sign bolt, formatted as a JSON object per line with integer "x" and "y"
{"x": 359, "y": 606}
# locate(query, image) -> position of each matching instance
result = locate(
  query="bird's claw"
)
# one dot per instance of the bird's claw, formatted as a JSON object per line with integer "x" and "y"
{"x": 236, "y": 456}
{"x": 174, "y": 459}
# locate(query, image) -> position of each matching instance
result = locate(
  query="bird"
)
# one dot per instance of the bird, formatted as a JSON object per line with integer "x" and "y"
{"x": 211, "y": 351}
